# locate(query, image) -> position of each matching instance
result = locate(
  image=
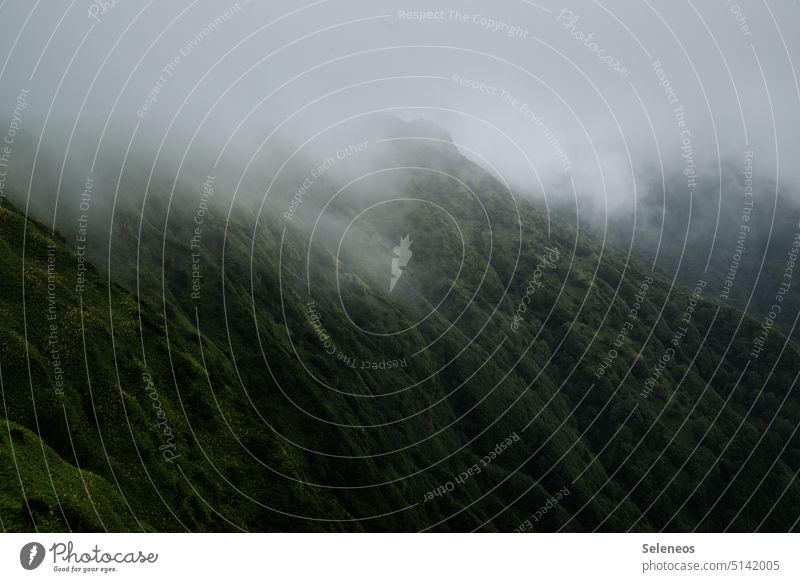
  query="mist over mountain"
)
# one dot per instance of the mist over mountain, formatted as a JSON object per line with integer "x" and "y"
{"x": 361, "y": 267}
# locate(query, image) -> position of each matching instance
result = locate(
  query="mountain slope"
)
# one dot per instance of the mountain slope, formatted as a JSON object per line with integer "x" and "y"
{"x": 513, "y": 361}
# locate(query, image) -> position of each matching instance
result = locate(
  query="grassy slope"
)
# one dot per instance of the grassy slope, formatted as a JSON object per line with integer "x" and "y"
{"x": 619, "y": 453}
{"x": 112, "y": 421}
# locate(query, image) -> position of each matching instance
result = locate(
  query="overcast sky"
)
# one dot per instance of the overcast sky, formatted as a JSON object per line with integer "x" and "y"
{"x": 542, "y": 91}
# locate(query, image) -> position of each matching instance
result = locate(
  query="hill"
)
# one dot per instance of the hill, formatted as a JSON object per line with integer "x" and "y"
{"x": 248, "y": 365}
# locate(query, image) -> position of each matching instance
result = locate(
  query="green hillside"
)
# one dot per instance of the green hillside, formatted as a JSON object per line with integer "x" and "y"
{"x": 259, "y": 373}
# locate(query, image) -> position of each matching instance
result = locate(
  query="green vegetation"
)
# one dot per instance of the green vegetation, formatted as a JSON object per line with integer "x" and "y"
{"x": 268, "y": 431}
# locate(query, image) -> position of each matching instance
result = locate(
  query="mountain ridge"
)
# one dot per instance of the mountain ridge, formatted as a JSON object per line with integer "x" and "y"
{"x": 255, "y": 390}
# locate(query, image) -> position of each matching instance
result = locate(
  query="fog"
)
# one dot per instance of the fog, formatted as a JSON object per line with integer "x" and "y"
{"x": 613, "y": 98}
{"x": 251, "y": 180}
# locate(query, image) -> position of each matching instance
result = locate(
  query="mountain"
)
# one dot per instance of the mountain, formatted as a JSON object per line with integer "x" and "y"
{"x": 246, "y": 363}
{"x": 737, "y": 230}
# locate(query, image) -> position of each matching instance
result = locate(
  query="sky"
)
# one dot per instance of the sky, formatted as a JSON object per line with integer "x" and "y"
{"x": 602, "y": 96}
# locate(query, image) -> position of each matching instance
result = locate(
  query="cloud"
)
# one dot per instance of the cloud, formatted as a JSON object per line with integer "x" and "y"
{"x": 602, "y": 96}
